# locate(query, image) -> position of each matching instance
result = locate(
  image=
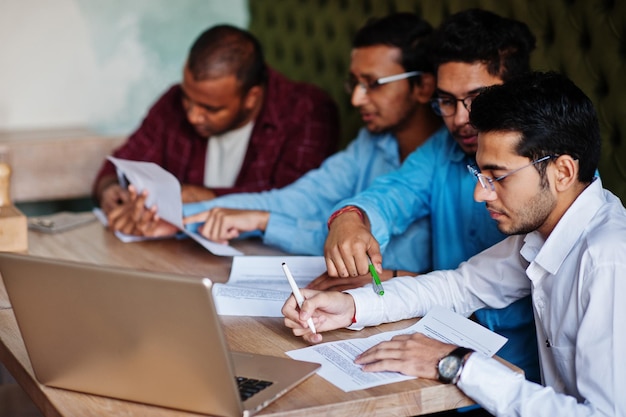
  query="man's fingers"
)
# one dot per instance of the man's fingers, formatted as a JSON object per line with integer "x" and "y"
{"x": 382, "y": 351}
{"x": 330, "y": 267}
{"x": 336, "y": 264}
{"x": 210, "y": 224}
{"x": 196, "y": 218}
{"x": 351, "y": 259}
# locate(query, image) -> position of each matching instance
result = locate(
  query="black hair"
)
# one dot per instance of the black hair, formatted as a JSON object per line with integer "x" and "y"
{"x": 224, "y": 50}
{"x": 405, "y": 31}
{"x": 476, "y": 35}
{"x": 551, "y": 114}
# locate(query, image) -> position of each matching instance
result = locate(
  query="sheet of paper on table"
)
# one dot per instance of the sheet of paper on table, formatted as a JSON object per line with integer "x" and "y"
{"x": 337, "y": 358}
{"x": 164, "y": 191}
{"x": 257, "y": 285}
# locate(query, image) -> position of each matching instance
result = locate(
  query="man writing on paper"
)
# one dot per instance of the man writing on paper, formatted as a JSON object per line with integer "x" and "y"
{"x": 471, "y": 50}
{"x": 538, "y": 150}
{"x": 232, "y": 125}
{"x": 391, "y": 82}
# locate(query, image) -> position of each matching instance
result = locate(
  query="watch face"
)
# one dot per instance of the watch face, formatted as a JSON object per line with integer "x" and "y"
{"x": 448, "y": 368}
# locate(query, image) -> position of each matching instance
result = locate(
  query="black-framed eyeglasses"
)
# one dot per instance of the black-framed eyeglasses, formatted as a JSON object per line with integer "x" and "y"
{"x": 488, "y": 182}
{"x": 446, "y": 105}
{"x": 370, "y": 86}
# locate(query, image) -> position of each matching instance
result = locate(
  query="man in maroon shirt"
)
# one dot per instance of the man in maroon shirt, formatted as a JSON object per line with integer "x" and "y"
{"x": 266, "y": 131}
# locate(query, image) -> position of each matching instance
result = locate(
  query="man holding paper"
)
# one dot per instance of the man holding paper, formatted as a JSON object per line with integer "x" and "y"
{"x": 538, "y": 150}
{"x": 232, "y": 125}
{"x": 391, "y": 82}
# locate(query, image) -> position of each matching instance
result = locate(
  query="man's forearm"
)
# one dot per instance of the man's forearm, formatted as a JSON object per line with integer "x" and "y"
{"x": 196, "y": 193}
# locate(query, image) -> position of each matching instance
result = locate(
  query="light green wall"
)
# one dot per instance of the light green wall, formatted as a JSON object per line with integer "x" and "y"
{"x": 95, "y": 63}
{"x": 146, "y": 42}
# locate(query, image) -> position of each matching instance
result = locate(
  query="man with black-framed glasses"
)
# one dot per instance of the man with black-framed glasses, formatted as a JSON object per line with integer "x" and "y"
{"x": 471, "y": 50}
{"x": 566, "y": 245}
{"x": 445, "y": 105}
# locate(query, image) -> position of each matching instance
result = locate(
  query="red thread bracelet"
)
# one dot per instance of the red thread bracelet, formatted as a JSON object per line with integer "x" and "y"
{"x": 345, "y": 209}
{"x": 354, "y": 317}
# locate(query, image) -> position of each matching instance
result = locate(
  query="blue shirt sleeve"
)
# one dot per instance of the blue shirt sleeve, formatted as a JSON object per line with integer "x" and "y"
{"x": 395, "y": 200}
{"x": 299, "y": 211}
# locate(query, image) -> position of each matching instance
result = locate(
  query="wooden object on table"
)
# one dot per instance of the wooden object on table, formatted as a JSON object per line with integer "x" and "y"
{"x": 13, "y": 225}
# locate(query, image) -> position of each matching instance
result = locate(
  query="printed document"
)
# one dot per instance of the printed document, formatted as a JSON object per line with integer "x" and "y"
{"x": 337, "y": 358}
{"x": 257, "y": 285}
{"x": 164, "y": 191}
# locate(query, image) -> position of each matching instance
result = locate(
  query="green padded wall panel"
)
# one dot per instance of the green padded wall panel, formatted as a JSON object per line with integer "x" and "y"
{"x": 584, "y": 39}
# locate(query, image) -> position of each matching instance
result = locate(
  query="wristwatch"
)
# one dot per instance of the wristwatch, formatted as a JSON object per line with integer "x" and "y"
{"x": 450, "y": 366}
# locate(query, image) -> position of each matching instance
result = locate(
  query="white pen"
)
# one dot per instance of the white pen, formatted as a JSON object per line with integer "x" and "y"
{"x": 297, "y": 294}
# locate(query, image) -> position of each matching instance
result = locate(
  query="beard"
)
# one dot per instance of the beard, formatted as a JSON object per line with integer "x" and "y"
{"x": 531, "y": 216}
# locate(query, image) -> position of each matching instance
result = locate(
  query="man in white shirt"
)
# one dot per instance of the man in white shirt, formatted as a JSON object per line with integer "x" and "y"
{"x": 538, "y": 150}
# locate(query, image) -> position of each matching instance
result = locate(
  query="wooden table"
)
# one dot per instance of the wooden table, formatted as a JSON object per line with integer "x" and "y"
{"x": 314, "y": 397}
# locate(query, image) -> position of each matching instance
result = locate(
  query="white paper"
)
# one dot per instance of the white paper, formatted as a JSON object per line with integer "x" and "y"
{"x": 164, "y": 191}
{"x": 231, "y": 300}
{"x": 213, "y": 247}
{"x": 163, "y": 188}
{"x": 258, "y": 287}
{"x": 337, "y": 358}
{"x": 266, "y": 271}
{"x": 450, "y": 327}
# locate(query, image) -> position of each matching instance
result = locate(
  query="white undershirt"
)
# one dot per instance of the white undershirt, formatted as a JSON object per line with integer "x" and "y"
{"x": 225, "y": 154}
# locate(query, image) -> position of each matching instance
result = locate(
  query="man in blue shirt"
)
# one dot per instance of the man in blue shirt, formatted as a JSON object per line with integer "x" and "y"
{"x": 471, "y": 50}
{"x": 391, "y": 82}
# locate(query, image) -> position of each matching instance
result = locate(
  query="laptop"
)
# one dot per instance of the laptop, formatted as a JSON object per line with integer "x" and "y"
{"x": 141, "y": 336}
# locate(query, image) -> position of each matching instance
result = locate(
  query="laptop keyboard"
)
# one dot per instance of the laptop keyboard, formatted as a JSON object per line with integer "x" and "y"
{"x": 248, "y": 386}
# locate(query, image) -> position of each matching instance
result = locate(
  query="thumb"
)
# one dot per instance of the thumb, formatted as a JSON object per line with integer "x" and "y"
{"x": 376, "y": 257}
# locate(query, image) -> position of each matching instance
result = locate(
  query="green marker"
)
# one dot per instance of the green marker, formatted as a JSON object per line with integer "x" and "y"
{"x": 376, "y": 285}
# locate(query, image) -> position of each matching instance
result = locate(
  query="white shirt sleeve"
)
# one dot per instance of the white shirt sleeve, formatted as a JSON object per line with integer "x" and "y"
{"x": 504, "y": 392}
{"x": 494, "y": 278}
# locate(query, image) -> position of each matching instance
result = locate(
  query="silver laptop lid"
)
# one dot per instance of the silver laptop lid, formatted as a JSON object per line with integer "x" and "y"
{"x": 141, "y": 336}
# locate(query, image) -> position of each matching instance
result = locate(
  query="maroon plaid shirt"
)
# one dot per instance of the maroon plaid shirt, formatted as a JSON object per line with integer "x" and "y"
{"x": 297, "y": 128}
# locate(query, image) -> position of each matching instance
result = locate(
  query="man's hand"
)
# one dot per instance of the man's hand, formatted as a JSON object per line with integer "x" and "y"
{"x": 133, "y": 218}
{"x": 348, "y": 245}
{"x": 151, "y": 225}
{"x": 414, "y": 354}
{"x": 147, "y": 221}
{"x": 325, "y": 282}
{"x": 112, "y": 197}
{"x": 122, "y": 217}
{"x": 330, "y": 310}
{"x": 195, "y": 193}
{"x": 222, "y": 224}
